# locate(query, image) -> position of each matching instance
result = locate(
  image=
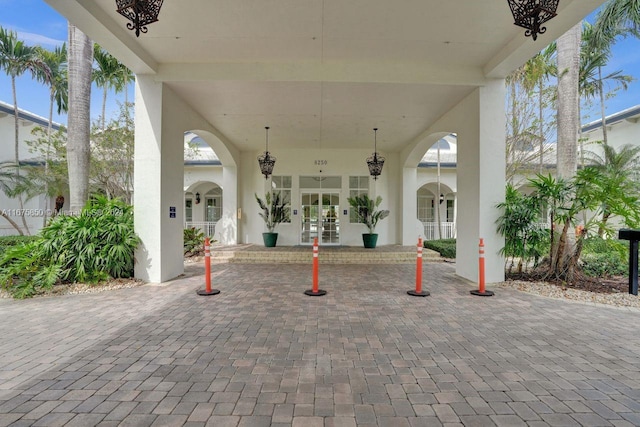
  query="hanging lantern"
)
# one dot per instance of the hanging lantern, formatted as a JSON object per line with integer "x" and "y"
{"x": 531, "y": 14}
{"x": 140, "y": 12}
{"x": 266, "y": 160}
{"x": 375, "y": 162}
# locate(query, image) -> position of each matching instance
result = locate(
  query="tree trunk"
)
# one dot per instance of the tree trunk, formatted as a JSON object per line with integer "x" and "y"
{"x": 104, "y": 107}
{"x": 568, "y": 128}
{"x": 568, "y": 100}
{"x": 79, "y": 66}
{"x": 46, "y": 161}
{"x": 12, "y": 222}
{"x": 16, "y": 117}
{"x": 602, "y": 109}
{"x": 541, "y": 119}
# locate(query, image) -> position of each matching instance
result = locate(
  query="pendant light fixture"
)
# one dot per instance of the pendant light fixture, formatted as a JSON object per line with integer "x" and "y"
{"x": 140, "y": 12}
{"x": 531, "y": 14}
{"x": 266, "y": 160}
{"x": 375, "y": 162}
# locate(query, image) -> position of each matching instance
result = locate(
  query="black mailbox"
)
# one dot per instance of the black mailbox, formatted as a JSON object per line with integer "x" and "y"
{"x": 633, "y": 236}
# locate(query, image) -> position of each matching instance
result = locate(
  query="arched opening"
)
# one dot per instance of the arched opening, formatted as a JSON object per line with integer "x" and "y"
{"x": 436, "y": 195}
{"x": 210, "y": 186}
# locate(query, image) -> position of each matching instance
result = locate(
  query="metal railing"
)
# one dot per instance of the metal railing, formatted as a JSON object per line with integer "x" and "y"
{"x": 431, "y": 230}
{"x": 207, "y": 227}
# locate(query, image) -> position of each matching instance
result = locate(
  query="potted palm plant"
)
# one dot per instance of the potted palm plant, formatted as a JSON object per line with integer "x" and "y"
{"x": 366, "y": 210}
{"x": 275, "y": 210}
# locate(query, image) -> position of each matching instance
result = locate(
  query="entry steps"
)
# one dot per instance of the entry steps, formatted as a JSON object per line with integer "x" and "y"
{"x": 256, "y": 254}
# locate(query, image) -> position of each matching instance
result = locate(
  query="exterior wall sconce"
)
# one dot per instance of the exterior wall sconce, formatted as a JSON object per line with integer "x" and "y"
{"x": 140, "y": 12}
{"x": 266, "y": 160}
{"x": 375, "y": 162}
{"x": 197, "y": 198}
{"x": 441, "y": 198}
{"x": 531, "y": 14}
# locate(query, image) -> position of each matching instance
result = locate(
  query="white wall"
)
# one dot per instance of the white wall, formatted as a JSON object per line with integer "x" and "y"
{"x": 295, "y": 163}
{"x": 35, "y": 209}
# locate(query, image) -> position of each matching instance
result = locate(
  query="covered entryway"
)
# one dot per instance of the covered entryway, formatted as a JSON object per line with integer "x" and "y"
{"x": 322, "y": 74}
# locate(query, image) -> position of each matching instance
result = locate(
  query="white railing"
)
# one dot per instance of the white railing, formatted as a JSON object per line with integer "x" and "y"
{"x": 431, "y": 230}
{"x": 207, "y": 227}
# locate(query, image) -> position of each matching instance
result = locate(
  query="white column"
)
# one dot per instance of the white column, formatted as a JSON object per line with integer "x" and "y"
{"x": 455, "y": 215}
{"x": 409, "y": 216}
{"x": 158, "y": 182}
{"x": 481, "y": 182}
{"x": 227, "y": 227}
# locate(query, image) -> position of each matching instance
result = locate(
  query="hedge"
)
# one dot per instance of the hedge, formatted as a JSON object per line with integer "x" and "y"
{"x": 446, "y": 247}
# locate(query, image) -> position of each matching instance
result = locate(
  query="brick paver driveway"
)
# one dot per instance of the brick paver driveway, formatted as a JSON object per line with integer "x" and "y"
{"x": 263, "y": 353}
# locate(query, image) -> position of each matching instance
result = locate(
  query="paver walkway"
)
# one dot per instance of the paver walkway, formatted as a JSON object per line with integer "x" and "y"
{"x": 262, "y": 353}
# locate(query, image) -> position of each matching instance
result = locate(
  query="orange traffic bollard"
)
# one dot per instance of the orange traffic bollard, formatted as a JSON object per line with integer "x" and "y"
{"x": 481, "y": 290}
{"x": 418, "y": 292}
{"x": 315, "y": 292}
{"x": 207, "y": 271}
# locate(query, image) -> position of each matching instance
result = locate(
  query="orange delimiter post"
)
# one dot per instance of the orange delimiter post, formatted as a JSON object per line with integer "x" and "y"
{"x": 315, "y": 265}
{"x": 419, "y": 267}
{"x": 207, "y": 264}
{"x": 481, "y": 267}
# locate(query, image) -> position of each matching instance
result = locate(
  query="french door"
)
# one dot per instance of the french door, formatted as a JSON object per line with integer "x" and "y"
{"x": 320, "y": 217}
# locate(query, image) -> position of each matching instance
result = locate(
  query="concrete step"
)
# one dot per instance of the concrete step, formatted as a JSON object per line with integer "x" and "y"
{"x": 304, "y": 255}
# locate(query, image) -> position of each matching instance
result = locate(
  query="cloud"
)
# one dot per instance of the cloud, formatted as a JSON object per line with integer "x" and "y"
{"x": 38, "y": 39}
{"x": 32, "y": 38}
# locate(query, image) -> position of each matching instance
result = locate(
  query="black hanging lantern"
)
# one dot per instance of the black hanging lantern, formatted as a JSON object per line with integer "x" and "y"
{"x": 140, "y": 12}
{"x": 531, "y": 14}
{"x": 375, "y": 162}
{"x": 266, "y": 160}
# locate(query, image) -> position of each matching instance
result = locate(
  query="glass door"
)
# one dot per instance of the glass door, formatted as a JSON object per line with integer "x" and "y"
{"x": 320, "y": 217}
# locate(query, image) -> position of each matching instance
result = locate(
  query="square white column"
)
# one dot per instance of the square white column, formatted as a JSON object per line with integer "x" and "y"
{"x": 158, "y": 182}
{"x": 481, "y": 181}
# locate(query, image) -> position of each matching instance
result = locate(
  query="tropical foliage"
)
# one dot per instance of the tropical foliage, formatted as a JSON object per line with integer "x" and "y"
{"x": 95, "y": 245}
{"x": 275, "y": 209}
{"x": 521, "y": 226}
{"x": 193, "y": 241}
{"x": 367, "y": 211}
{"x": 605, "y": 257}
{"x": 576, "y": 210}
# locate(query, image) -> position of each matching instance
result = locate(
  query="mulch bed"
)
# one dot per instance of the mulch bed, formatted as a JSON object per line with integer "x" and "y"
{"x": 606, "y": 285}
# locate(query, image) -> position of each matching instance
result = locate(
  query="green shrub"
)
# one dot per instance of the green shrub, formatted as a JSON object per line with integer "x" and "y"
{"x": 7, "y": 242}
{"x": 94, "y": 246}
{"x": 604, "y": 257}
{"x": 446, "y": 247}
{"x": 193, "y": 241}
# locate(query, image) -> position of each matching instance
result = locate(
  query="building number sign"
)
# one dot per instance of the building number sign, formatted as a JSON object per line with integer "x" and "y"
{"x": 320, "y": 162}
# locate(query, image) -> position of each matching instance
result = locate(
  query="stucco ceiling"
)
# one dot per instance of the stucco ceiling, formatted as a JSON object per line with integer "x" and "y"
{"x": 321, "y": 73}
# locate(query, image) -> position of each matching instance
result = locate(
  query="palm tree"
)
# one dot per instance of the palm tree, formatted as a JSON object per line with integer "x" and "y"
{"x": 57, "y": 80}
{"x": 536, "y": 72}
{"x": 109, "y": 74}
{"x": 615, "y": 166}
{"x": 592, "y": 59}
{"x": 615, "y": 18}
{"x": 16, "y": 58}
{"x": 79, "y": 125}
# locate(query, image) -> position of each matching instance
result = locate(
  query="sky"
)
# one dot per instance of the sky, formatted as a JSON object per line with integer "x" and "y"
{"x": 37, "y": 23}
